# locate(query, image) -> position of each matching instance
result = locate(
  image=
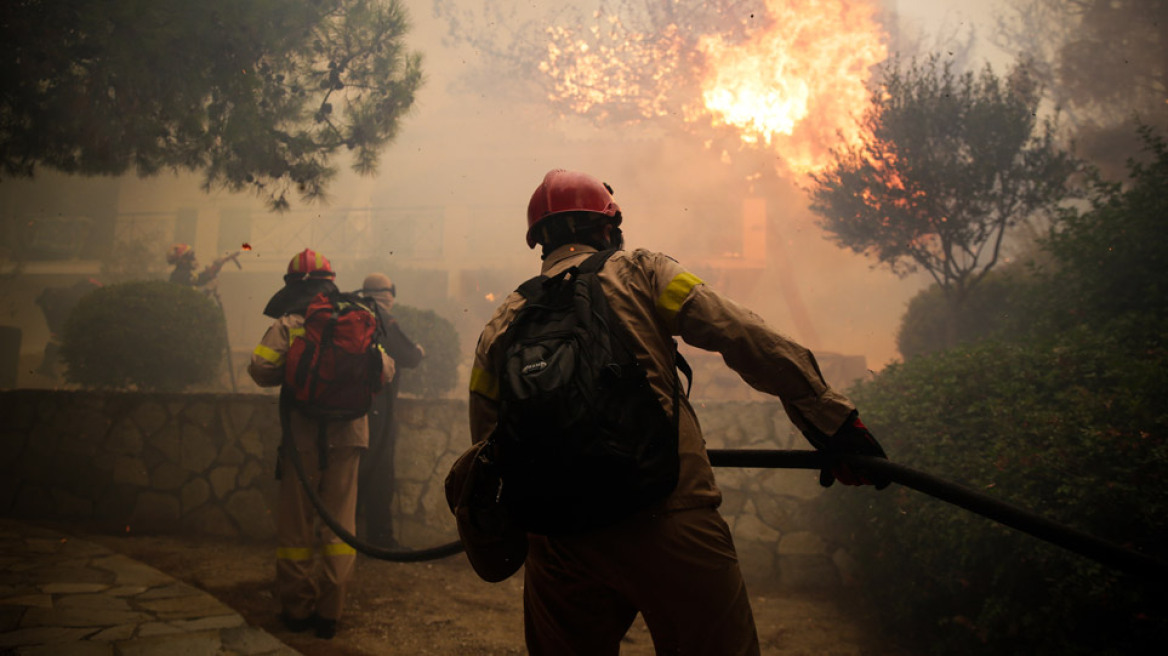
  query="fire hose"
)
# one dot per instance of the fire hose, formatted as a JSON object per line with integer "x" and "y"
{"x": 1102, "y": 551}
{"x": 372, "y": 550}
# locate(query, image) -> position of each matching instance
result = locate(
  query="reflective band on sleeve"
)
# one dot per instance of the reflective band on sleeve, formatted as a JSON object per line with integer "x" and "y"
{"x": 338, "y": 549}
{"x": 269, "y": 355}
{"x": 293, "y": 553}
{"x": 678, "y": 289}
{"x": 482, "y": 382}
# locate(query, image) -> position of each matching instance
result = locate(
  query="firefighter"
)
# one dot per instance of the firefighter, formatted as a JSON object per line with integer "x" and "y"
{"x": 313, "y": 565}
{"x": 182, "y": 258}
{"x": 675, "y": 562}
{"x": 376, "y": 481}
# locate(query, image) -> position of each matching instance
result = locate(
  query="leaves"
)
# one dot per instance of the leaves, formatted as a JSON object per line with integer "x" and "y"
{"x": 949, "y": 164}
{"x": 152, "y": 335}
{"x": 257, "y": 95}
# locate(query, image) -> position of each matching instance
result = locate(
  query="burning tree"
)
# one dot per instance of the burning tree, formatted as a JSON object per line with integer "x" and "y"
{"x": 775, "y": 76}
{"x": 254, "y": 94}
{"x": 948, "y": 163}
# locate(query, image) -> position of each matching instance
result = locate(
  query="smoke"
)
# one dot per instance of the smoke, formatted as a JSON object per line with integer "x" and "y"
{"x": 446, "y": 211}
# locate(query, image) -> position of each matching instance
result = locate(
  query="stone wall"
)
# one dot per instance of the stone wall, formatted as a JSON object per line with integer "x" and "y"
{"x": 204, "y": 464}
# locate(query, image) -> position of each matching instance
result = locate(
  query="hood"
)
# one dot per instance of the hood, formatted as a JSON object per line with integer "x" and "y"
{"x": 296, "y": 295}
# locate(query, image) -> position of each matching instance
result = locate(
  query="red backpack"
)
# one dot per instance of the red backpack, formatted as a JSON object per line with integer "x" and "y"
{"x": 334, "y": 367}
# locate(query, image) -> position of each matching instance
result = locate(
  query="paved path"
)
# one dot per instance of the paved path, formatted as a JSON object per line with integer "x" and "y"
{"x": 60, "y": 596}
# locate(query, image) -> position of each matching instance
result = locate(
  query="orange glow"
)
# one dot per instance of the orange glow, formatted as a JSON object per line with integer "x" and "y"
{"x": 604, "y": 68}
{"x": 246, "y": 246}
{"x": 798, "y": 81}
{"x": 490, "y": 297}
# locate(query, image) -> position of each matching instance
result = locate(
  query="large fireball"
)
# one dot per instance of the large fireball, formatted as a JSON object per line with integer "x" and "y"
{"x": 798, "y": 83}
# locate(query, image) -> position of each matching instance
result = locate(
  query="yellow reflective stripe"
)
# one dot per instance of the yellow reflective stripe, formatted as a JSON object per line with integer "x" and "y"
{"x": 678, "y": 289}
{"x": 338, "y": 549}
{"x": 293, "y": 333}
{"x": 270, "y": 355}
{"x": 482, "y": 382}
{"x": 293, "y": 553}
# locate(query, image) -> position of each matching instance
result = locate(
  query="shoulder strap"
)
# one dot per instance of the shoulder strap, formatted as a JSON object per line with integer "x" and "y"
{"x": 533, "y": 287}
{"x": 595, "y": 262}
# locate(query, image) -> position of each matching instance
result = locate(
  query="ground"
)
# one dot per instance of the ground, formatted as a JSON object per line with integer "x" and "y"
{"x": 442, "y": 608}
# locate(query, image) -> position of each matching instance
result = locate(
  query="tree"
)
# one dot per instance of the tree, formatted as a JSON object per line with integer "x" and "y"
{"x": 1112, "y": 260}
{"x": 620, "y": 62}
{"x": 947, "y": 165}
{"x": 254, "y": 94}
{"x": 1105, "y": 62}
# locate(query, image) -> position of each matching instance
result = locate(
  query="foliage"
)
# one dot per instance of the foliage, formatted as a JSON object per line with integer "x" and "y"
{"x": 1061, "y": 411}
{"x": 1114, "y": 258}
{"x": 998, "y": 305}
{"x": 950, "y": 163}
{"x": 438, "y": 372}
{"x": 1073, "y": 428}
{"x": 575, "y": 56}
{"x": 256, "y": 94}
{"x": 1103, "y": 61}
{"x": 150, "y": 335}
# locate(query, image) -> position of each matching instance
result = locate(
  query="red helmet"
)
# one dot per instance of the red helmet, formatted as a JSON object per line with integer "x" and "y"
{"x": 178, "y": 252}
{"x": 569, "y": 191}
{"x": 309, "y": 263}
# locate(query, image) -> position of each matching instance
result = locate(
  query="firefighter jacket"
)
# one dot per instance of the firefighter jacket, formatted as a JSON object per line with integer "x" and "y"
{"x": 655, "y": 298}
{"x": 267, "y": 370}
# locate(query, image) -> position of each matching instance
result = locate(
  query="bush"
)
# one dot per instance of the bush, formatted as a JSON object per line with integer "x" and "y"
{"x": 1114, "y": 257}
{"x": 997, "y": 305}
{"x": 438, "y": 372}
{"x": 1072, "y": 427}
{"x": 148, "y": 335}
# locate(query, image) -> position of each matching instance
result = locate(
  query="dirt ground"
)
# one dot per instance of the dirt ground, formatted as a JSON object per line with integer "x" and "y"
{"x": 441, "y": 607}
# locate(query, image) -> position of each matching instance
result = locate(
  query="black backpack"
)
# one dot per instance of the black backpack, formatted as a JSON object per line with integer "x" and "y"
{"x": 581, "y": 440}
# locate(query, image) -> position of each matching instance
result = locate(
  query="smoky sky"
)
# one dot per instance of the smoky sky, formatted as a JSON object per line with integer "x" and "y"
{"x": 478, "y": 156}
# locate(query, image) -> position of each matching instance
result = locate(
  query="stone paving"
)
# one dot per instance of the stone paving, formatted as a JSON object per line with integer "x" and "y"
{"x": 62, "y": 596}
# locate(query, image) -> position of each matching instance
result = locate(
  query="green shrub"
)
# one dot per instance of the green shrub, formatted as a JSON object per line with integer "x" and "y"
{"x": 1073, "y": 427}
{"x": 997, "y": 305}
{"x": 148, "y": 335}
{"x": 1114, "y": 256}
{"x": 438, "y": 372}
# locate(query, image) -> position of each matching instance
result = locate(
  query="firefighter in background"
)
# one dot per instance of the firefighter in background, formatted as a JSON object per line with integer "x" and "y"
{"x": 56, "y": 303}
{"x": 313, "y": 565}
{"x": 376, "y": 481}
{"x": 182, "y": 258}
{"x": 675, "y": 562}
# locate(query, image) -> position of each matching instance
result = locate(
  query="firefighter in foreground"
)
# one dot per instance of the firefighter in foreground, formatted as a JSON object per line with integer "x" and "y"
{"x": 313, "y": 565}
{"x": 376, "y": 479}
{"x": 673, "y": 561}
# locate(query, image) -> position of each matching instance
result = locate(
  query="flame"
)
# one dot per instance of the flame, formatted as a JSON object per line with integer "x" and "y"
{"x": 603, "y": 69}
{"x": 245, "y": 247}
{"x": 799, "y": 81}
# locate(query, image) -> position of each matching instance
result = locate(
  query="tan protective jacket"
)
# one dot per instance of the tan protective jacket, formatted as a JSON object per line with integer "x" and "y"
{"x": 267, "y": 370}
{"x": 655, "y": 298}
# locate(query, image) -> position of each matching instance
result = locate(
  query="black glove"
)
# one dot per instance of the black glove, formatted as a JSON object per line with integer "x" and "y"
{"x": 852, "y": 438}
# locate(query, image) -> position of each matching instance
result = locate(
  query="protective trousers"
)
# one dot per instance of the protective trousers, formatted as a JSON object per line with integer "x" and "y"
{"x": 678, "y": 569}
{"x": 313, "y": 565}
